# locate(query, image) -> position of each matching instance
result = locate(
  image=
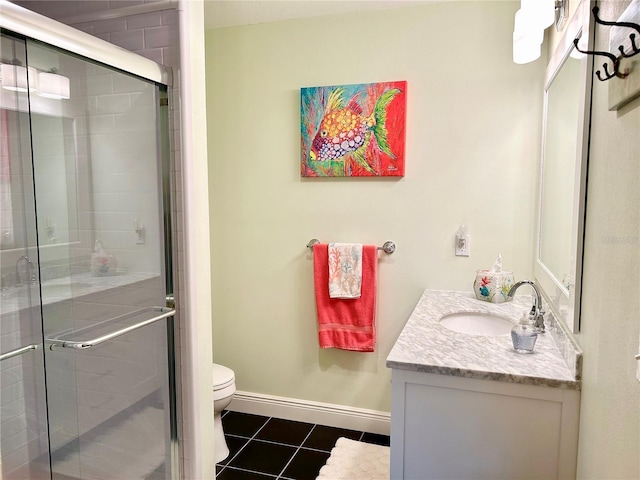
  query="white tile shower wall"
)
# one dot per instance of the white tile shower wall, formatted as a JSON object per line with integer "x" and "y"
{"x": 114, "y": 111}
{"x": 117, "y": 131}
{"x": 13, "y": 423}
{"x": 153, "y": 35}
{"x": 23, "y": 421}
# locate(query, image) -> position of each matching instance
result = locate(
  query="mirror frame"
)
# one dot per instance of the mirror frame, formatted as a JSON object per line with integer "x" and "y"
{"x": 564, "y": 298}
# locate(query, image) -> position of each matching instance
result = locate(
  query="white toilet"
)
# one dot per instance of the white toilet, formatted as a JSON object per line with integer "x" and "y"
{"x": 224, "y": 386}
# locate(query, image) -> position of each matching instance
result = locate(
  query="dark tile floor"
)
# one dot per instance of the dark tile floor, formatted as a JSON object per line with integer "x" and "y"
{"x": 264, "y": 448}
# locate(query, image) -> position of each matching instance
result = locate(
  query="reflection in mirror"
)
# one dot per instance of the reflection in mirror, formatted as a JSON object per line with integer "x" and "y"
{"x": 560, "y": 148}
{"x": 54, "y": 160}
{"x": 55, "y": 165}
{"x": 56, "y": 174}
{"x": 565, "y": 137}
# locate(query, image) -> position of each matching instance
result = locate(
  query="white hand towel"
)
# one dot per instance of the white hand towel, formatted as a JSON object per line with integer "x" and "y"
{"x": 345, "y": 270}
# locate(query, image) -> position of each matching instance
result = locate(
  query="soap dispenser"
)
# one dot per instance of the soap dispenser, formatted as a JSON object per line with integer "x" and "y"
{"x": 524, "y": 335}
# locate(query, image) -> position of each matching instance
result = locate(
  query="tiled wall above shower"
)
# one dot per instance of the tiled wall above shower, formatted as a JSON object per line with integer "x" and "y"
{"x": 121, "y": 145}
{"x": 152, "y": 35}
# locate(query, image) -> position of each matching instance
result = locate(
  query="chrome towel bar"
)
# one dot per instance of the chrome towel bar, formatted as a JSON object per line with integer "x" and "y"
{"x": 388, "y": 246}
{"x": 163, "y": 312}
{"x": 17, "y": 352}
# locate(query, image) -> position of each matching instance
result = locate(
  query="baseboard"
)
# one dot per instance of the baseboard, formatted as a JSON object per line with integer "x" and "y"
{"x": 312, "y": 412}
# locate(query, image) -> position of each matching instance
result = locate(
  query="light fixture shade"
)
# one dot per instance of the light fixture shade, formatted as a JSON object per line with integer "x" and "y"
{"x": 525, "y": 50}
{"x": 15, "y": 78}
{"x": 52, "y": 85}
{"x": 526, "y": 27}
{"x": 541, "y": 12}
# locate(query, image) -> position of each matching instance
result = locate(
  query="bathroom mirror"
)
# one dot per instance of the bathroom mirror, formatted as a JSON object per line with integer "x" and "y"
{"x": 565, "y": 140}
{"x": 51, "y": 126}
{"x": 54, "y": 158}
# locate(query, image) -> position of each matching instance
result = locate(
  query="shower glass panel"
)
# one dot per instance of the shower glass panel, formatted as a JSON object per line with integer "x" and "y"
{"x": 97, "y": 167}
{"x": 88, "y": 286}
{"x": 24, "y": 450}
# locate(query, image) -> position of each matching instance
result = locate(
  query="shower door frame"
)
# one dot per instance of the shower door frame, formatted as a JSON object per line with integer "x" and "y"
{"x": 17, "y": 20}
{"x": 38, "y": 27}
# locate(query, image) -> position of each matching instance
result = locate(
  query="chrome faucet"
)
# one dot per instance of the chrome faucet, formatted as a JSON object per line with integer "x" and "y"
{"x": 30, "y": 270}
{"x": 537, "y": 313}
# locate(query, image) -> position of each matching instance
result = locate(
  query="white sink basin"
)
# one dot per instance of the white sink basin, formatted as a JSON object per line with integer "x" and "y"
{"x": 475, "y": 323}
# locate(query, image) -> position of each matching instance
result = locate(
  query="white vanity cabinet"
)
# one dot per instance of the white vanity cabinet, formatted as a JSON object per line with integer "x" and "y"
{"x": 446, "y": 427}
{"x": 470, "y": 407}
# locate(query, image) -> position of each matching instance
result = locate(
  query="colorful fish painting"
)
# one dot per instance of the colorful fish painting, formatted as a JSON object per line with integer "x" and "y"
{"x": 353, "y": 130}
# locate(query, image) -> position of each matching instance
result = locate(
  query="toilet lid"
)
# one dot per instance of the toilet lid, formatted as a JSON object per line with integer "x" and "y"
{"x": 222, "y": 377}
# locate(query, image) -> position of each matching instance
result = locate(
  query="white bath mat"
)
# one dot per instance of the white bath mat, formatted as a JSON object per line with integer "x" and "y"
{"x": 351, "y": 460}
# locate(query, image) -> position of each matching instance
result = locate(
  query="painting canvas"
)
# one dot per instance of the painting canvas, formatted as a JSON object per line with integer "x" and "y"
{"x": 353, "y": 130}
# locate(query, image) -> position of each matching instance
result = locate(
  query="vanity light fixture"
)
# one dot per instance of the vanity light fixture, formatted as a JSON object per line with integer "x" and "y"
{"x": 53, "y": 85}
{"x": 16, "y": 78}
{"x": 525, "y": 49}
{"x": 540, "y": 13}
{"x": 561, "y": 13}
{"x": 530, "y": 23}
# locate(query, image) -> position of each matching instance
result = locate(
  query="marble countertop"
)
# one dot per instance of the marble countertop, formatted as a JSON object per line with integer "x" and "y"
{"x": 64, "y": 288}
{"x": 426, "y": 346}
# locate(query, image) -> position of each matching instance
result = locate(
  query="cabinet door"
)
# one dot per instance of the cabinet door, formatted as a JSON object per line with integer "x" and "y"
{"x": 456, "y": 428}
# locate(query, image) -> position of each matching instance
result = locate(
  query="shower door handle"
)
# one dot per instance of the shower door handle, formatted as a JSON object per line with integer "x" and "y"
{"x": 83, "y": 344}
{"x": 18, "y": 351}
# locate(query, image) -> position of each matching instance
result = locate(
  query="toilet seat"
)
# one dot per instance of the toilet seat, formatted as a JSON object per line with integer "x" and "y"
{"x": 223, "y": 377}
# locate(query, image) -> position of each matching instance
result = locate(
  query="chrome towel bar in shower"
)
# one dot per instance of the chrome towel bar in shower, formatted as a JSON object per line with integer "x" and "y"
{"x": 62, "y": 340}
{"x": 18, "y": 351}
{"x": 388, "y": 246}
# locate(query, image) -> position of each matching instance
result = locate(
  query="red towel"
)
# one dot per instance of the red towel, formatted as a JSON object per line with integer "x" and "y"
{"x": 346, "y": 323}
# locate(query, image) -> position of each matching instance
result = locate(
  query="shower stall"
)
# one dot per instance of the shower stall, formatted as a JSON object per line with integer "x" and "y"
{"x": 87, "y": 385}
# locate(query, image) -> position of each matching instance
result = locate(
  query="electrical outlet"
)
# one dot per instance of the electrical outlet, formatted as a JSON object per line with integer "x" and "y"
{"x": 463, "y": 246}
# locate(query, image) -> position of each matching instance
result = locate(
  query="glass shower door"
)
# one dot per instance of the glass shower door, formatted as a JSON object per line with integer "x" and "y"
{"x": 24, "y": 450}
{"x": 97, "y": 160}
